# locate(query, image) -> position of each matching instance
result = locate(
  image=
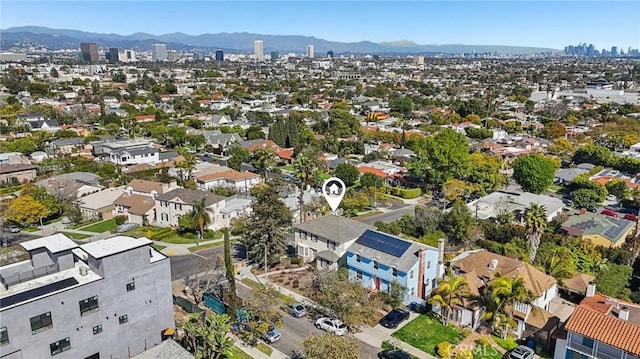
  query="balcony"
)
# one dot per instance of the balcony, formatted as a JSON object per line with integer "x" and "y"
{"x": 590, "y": 352}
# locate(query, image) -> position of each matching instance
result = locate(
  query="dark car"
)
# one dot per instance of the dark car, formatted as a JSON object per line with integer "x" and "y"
{"x": 394, "y": 318}
{"x": 393, "y": 354}
{"x": 592, "y": 209}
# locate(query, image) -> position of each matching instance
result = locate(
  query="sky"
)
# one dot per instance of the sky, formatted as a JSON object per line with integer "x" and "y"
{"x": 538, "y": 23}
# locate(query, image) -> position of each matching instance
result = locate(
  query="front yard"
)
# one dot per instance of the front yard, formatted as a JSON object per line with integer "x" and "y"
{"x": 100, "y": 227}
{"x": 426, "y": 332}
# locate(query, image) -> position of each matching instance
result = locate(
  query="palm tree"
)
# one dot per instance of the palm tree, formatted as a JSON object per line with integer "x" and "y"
{"x": 305, "y": 171}
{"x": 208, "y": 337}
{"x": 450, "y": 292}
{"x": 200, "y": 215}
{"x": 500, "y": 298}
{"x": 262, "y": 159}
{"x": 536, "y": 222}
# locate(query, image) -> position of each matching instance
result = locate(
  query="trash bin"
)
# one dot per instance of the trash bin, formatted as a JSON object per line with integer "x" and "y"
{"x": 412, "y": 306}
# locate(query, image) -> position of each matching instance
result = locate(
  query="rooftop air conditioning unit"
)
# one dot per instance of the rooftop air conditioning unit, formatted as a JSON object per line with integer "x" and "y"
{"x": 493, "y": 265}
{"x": 84, "y": 271}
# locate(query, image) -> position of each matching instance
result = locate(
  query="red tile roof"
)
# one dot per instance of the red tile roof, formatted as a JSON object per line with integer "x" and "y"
{"x": 375, "y": 171}
{"x": 593, "y": 319}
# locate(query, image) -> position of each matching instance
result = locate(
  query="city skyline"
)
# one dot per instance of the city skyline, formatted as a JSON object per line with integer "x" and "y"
{"x": 517, "y": 23}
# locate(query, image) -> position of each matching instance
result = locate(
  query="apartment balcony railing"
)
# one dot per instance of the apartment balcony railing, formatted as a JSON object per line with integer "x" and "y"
{"x": 591, "y": 352}
{"x": 18, "y": 278}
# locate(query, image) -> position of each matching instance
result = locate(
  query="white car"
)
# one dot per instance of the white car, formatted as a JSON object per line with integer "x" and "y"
{"x": 332, "y": 325}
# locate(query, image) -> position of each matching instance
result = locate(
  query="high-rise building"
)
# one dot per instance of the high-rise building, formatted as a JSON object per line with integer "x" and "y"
{"x": 258, "y": 50}
{"x": 330, "y": 54}
{"x": 89, "y": 52}
{"x": 310, "y": 51}
{"x": 114, "y": 55}
{"x": 172, "y": 56}
{"x": 614, "y": 51}
{"x": 274, "y": 56}
{"x": 158, "y": 52}
{"x": 219, "y": 55}
{"x": 418, "y": 60}
{"x": 105, "y": 299}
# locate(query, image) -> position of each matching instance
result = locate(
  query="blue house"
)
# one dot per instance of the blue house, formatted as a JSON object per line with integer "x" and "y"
{"x": 378, "y": 259}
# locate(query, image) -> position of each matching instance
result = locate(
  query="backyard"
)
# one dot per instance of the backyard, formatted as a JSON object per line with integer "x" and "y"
{"x": 426, "y": 332}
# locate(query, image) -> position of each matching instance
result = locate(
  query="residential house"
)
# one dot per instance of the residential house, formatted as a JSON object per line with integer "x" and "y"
{"x": 221, "y": 142}
{"x": 481, "y": 267}
{"x": 216, "y": 120}
{"x": 496, "y": 203}
{"x": 99, "y": 205}
{"x": 326, "y": 239}
{"x": 378, "y": 259}
{"x": 605, "y": 176}
{"x": 172, "y": 205}
{"x": 149, "y": 188}
{"x": 565, "y": 175}
{"x": 228, "y": 178}
{"x": 601, "y": 327}
{"x": 599, "y": 229}
{"x": 253, "y": 145}
{"x": 72, "y": 185}
{"x": 137, "y": 208}
{"x": 235, "y": 207}
{"x": 17, "y": 173}
{"x": 105, "y": 299}
{"x": 127, "y": 152}
{"x": 49, "y": 125}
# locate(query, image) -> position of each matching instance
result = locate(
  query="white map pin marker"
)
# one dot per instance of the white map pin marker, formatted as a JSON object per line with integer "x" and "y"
{"x": 333, "y": 191}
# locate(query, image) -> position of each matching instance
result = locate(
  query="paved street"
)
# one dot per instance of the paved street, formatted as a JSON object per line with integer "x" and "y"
{"x": 183, "y": 266}
{"x": 390, "y": 216}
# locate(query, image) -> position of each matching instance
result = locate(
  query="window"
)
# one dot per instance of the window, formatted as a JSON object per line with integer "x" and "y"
{"x": 359, "y": 275}
{"x": 97, "y": 329}
{"x": 4, "y": 336}
{"x": 123, "y": 319}
{"x": 89, "y": 305}
{"x": 303, "y": 235}
{"x": 375, "y": 264}
{"x": 41, "y": 323}
{"x": 411, "y": 274}
{"x": 131, "y": 286}
{"x": 428, "y": 264}
{"x": 413, "y": 291}
{"x": 394, "y": 272}
{"x": 358, "y": 258}
{"x": 433, "y": 283}
{"x": 314, "y": 238}
{"x": 60, "y": 346}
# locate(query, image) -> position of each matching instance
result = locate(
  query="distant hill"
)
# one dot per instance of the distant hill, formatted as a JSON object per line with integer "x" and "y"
{"x": 242, "y": 42}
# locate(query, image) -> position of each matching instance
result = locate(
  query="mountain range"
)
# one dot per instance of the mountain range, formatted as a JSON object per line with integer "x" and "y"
{"x": 239, "y": 42}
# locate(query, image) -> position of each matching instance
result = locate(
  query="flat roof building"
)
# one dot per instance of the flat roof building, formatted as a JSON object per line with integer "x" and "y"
{"x": 89, "y": 52}
{"x": 106, "y": 299}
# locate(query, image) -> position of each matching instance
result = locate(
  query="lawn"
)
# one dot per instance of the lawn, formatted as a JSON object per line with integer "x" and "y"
{"x": 158, "y": 247}
{"x": 425, "y": 333}
{"x": 507, "y": 344}
{"x": 30, "y": 229}
{"x": 256, "y": 286}
{"x": 264, "y": 348}
{"x": 100, "y": 227}
{"x": 75, "y": 235}
{"x": 288, "y": 168}
{"x": 175, "y": 238}
{"x": 237, "y": 353}
{"x": 486, "y": 352}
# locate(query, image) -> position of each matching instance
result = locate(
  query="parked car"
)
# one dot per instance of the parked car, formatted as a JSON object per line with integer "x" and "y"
{"x": 126, "y": 227}
{"x": 332, "y": 325}
{"x": 592, "y": 209}
{"x": 611, "y": 197}
{"x": 12, "y": 229}
{"x": 297, "y": 310}
{"x": 521, "y": 352}
{"x": 568, "y": 202}
{"x": 272, "y": 335}
{"x": 394, "y": 318}
{"x": 631, "y": 217}
{"x": 608, "y": 212}
{"x": 394, "y": 354}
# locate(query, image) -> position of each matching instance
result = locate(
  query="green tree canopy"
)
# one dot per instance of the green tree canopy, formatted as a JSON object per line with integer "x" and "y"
{"x": 614, "y": 280}
{"x": 594, "y": 154}
{"x": 534, "y": 172}
{"x": 347, "y": 173}
{"x": 329, "y": 346}
{"x": 457, "y": 223}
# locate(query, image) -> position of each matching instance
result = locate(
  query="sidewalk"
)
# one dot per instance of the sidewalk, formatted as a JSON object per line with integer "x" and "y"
{"x": 256, "y": 354}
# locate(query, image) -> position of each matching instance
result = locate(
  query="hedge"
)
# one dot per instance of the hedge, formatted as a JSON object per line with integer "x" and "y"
{"x": 406, "y": 193}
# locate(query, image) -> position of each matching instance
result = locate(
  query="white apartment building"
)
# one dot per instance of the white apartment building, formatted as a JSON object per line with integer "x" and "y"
{"x": 258, "y": 50}
{"x": 310, "y": 51}
{"x": 158, "y": 52}
{"x": 105, "y": 299}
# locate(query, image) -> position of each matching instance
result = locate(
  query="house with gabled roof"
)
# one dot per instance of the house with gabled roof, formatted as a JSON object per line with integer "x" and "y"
{"x": 377, "y": 260}
{"x": 172, "y": 205}
{"x": 481, "y": 268}
{"x": 326, "y": 239}
{"x": 599, "y": 229}
{"x": 600, "y": 327}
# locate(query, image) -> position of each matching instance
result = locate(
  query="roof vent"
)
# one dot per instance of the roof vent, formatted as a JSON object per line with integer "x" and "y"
{"x": 84, "y": 271}
{"x": 493, "y": 265}
{"x": 624, "y": 313}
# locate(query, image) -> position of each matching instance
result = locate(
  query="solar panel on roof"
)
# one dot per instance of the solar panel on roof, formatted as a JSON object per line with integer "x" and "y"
{"x": 34, "y": 293}
{"x": 383, "y": 243}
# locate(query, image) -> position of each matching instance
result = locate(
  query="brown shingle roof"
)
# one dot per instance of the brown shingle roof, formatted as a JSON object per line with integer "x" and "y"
{"x": 16, "y": 167}
{"x": 135, "y": 203}
{"x": 535, "y": 280}
{"x": 232, "y": 175}
{"x": 190, "y": 196}
{"x": 578, "y": 282}
{"x": 592, "y": 318}
{"x": 145, "y": 186}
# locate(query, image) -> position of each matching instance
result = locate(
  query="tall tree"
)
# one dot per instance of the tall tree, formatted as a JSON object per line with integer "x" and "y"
{"x": 442, "y": 157}
{"x": 231, "y": 276}
{"x": 200, "y": 215}
{"x": 329, "y": 346}
{"x": 266, "y": 226}
{"x": 347, "y": 173}
{"x": 263, "y": 311}
{"x": 305, "y": 171}
{"x": 457, "y": 223}
{"x": 25, "y": 209}
{"x": 534, "y": 172}
{"x": 263, "y": 159}
{"x": 535, "y": 218}
{"x": 451, "y": 291}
